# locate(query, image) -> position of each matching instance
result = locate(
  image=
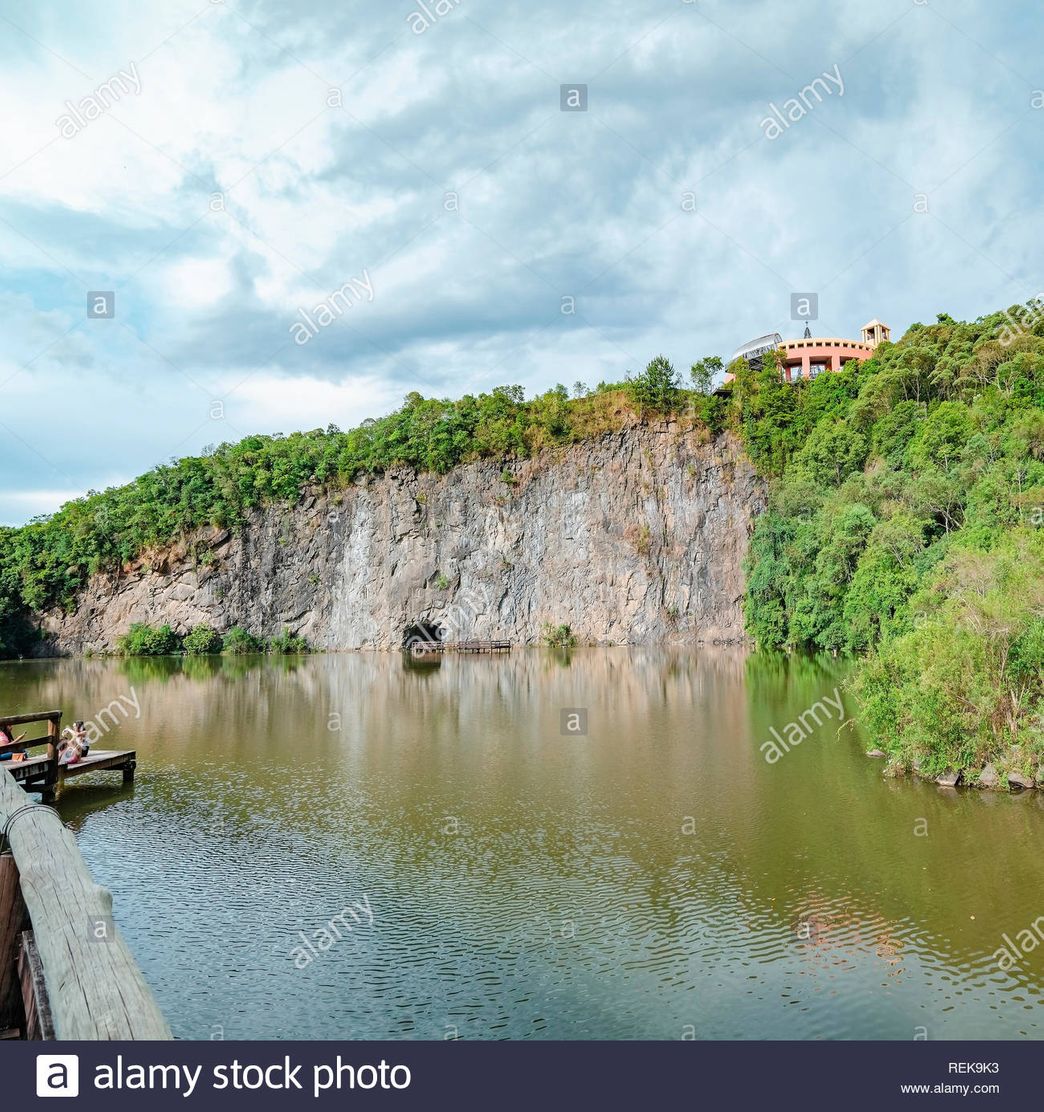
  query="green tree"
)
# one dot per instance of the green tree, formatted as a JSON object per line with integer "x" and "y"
{"x": 657, "y": 387}
{"x": 705, "y": 372}
{"x": 831, "y": 452}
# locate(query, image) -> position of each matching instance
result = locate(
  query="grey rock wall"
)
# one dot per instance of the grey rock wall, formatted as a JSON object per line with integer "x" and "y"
{"x": 636, "y": 537}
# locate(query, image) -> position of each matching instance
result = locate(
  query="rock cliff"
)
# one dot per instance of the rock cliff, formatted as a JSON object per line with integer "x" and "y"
{"x": 634, "y": 537}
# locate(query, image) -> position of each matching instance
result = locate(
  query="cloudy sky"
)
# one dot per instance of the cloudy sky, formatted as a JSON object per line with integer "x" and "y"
{"x": 220, "y": 166}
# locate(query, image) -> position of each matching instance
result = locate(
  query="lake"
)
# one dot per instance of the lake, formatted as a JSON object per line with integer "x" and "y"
{"x": 364, "y": 846}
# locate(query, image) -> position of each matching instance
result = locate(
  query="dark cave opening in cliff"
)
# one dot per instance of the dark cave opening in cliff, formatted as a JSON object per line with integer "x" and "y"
{"x": 422, "y": 633}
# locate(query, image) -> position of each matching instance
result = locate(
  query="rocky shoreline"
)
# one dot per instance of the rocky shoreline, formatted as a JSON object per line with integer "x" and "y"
{"x": 988, "y": 778}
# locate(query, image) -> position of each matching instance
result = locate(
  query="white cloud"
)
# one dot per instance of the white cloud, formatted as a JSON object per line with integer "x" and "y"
{"x": 282, "y": 403}
{"x": 234, "y": 100}
{"x": 197, "y": 283}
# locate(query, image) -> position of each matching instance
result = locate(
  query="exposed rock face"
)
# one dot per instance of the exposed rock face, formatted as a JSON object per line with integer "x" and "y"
{"x": 636, "y": 537}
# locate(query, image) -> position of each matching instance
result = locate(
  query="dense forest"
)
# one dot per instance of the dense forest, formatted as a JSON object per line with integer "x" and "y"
{"x": 906, "y": 525}
{"x": 905, "y": 522}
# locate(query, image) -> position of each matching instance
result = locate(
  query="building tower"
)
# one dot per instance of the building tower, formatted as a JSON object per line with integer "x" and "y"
{"x": 876, "y": 333}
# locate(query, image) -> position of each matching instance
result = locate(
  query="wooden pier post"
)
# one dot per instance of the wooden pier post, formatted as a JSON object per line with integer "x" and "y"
{"x": 95, "y": 988}
{"x": 49, "y": 789}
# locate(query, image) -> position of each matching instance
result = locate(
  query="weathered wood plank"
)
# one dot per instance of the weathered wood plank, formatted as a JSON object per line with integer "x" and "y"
{"x": 39, "y": 1023}
{"x": 95, "y": 987}
{"x": 25, "y": 770}
{"x": 98, "y": 760}
{"x": 12, "y": 923}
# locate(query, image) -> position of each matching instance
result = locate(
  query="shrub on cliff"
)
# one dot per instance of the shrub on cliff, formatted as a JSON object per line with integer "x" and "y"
{"x": 557, "y": 636}
{"x": 238, "y": 642}
{"x": 17, "y": 633}
{"x": 202, "y": 641}
{"x": 145, "y": 640}
{"x": 288, "y": 644}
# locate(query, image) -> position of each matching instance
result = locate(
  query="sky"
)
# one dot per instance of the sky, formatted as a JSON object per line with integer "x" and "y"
{"x": 432, "y": 181}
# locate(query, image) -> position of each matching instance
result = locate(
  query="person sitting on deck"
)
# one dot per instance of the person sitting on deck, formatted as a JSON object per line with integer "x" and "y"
{"x": 6, "y": 738}
{"x": 74, "y": 744}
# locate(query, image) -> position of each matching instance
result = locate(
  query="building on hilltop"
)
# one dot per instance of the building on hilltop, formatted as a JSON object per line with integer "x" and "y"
{"x": 875, "y": 333}
{"x": 811, "y": 355}
{"x": 755, "y": 349}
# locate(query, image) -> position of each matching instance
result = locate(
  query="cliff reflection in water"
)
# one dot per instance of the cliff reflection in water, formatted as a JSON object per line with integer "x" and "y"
{"x": 654, "y": 878}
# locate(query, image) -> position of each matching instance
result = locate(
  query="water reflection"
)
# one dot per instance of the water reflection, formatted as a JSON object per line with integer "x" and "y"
{"x": 654, "y": 877}
{"x": 423, "y": 664}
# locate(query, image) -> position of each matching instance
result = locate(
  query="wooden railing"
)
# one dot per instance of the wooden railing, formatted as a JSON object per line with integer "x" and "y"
{"x": 64, "y": 967}
{"x": 53, "y": 718}
{"x": 39, "y": 772}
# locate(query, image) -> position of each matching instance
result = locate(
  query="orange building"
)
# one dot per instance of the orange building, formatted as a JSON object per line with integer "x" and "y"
{"x": 811, "y": 355}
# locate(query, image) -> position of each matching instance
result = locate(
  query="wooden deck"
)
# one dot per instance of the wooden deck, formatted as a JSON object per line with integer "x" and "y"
{"x": 40, "y": 772}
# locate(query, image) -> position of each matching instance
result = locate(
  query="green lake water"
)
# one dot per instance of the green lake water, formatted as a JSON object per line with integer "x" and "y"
{"x": 654, "y": 878}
